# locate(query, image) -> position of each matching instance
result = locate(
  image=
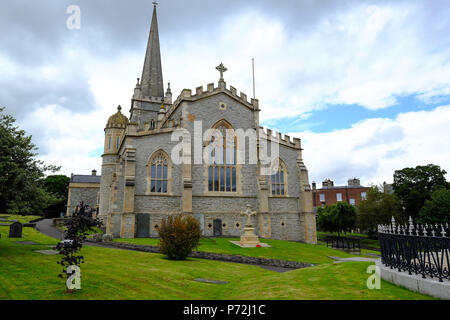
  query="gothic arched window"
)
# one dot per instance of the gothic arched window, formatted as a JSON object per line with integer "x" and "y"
{"x": 222, "y": 172}
{"x": 279, "y": 179}
{"x": 159, "y": 173}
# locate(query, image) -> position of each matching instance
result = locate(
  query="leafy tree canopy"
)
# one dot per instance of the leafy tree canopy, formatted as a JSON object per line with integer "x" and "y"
{"x": 378, "y": 208}
{"x": 436, "y": 210}
{"x": 21, "y": 174}
{"x": 57, "y": 185}
{"x": 337, "y": 218}
{"x": 414, "y": 186}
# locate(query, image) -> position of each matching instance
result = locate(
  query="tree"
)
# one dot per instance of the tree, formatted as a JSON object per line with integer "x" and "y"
{"x": 378, "y": 208}
{"x": 21, "y": 175}
{"x": 337, "y": 218}
{"x": 78, "y": 227}
{"x": 414, "y": 186}
{"x": 436, "y": 210}
{"x": 58, "y": 186}
{"x": 179, "y": 235}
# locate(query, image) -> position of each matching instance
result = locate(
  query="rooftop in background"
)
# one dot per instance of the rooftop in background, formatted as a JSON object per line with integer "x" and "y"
{"x": 93, "y": 178}
{"x": 329, "y": 184}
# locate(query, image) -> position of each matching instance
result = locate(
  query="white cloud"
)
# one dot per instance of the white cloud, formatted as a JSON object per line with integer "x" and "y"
{"x": 366, "y": 55}
{"x": 373, "y": 149}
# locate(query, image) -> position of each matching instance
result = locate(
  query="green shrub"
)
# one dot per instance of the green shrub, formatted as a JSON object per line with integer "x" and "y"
{"x": 179, "y": 235}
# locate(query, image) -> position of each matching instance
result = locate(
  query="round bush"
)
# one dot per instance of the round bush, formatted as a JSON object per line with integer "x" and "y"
{"x": 179, "y": 235}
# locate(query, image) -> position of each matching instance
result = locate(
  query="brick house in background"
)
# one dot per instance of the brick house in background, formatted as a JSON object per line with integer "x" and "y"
{"x": 330, "y": 194}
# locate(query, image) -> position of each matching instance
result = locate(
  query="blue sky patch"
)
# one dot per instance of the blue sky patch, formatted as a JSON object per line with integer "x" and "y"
{"x": 341, "y": 116}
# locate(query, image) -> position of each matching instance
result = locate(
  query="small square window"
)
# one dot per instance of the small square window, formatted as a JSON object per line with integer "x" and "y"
{"x": 352, "y": 202}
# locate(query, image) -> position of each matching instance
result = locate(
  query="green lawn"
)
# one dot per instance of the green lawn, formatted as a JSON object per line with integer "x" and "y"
{"x": 21, "y": 219}
{"x": 121, "y": 274}
{"x": 283, "y": 250}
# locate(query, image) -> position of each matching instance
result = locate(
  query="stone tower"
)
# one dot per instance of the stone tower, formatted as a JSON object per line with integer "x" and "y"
{"x": 149, "y": 91}
{"x": 114, "y": 134}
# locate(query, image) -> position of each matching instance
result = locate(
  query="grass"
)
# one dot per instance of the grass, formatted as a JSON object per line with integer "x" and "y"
{"x": 121, "y": 274}
{"x": 21, "y": 219}
{"x": 282, "y": 250}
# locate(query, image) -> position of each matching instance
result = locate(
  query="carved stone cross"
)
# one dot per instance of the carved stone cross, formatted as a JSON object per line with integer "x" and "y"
{"x": 249, "y": 213}
{"x": 221, "y": 68}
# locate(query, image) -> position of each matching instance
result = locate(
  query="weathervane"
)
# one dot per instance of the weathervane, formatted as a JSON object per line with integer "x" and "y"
{"x": 221, "y": 68}
{"x": 155, "y": 3}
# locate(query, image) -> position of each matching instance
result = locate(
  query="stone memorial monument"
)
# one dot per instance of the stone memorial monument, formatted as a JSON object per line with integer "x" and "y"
{"x": 249, "y": 239}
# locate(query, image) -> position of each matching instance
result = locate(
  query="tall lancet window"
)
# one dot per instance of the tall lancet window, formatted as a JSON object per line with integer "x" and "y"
{"x": 222, "y": 160}
{"x": 279, "y": 179}
{"x": 159, "y": 172}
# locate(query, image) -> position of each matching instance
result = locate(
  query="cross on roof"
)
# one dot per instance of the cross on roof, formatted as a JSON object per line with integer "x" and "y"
{"x": 221, "y": 68}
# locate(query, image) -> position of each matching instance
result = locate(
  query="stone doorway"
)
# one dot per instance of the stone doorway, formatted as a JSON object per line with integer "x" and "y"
{"x": 143, "y": 225}
{"x": 217, "y": 228}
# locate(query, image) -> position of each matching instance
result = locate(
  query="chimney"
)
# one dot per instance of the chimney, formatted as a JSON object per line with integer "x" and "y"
{"x": 355, "y": 182}
{"x": 314, "y": 186}
{"x": 94, "y": 172}
{"x": 328, "y": 183}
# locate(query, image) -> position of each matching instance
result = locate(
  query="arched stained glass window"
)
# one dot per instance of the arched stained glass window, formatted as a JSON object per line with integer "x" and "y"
{"x": 279, "y": 179}
{"x": 159, "y": 173}
{"x": 223, "y": 158}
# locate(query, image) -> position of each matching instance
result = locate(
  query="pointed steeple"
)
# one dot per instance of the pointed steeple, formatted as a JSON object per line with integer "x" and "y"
{"x": 152, "y": 77}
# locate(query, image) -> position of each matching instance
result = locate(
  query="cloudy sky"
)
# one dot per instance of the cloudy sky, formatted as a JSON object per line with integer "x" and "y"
{"x": 364, "y": 84}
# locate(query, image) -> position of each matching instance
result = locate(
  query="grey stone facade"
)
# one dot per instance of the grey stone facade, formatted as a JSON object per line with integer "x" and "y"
{"x": 130, "y": 209}
{"x": 85, "y": 189}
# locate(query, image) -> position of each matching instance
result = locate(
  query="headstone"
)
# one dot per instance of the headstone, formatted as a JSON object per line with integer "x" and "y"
{"x": 107, "y": 237}
{"x": 30, "y": 243}
{"x": 48, "y": 252}
{"x": 210, "y": 281}
{"x": 15, "y": 230}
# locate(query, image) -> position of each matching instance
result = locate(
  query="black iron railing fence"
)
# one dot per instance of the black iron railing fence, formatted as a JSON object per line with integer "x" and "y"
{"x": 420, "y": 249}
{"x": 345, "y": 243}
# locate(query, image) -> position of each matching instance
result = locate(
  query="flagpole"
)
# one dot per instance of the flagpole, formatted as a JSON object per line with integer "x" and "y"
{"x": 254, "y": 89}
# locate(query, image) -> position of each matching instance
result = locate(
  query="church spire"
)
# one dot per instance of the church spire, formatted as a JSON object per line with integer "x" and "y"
{"x": 152, "y": 77}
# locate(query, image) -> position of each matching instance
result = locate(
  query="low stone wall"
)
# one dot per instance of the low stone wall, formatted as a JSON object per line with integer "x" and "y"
{"x": 220, "y": 256}
{"x": 416, "y": 283}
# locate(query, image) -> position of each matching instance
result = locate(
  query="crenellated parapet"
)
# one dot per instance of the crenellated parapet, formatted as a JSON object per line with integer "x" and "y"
{"x": 211, "y": 90}
{"x": 275, "y": 136}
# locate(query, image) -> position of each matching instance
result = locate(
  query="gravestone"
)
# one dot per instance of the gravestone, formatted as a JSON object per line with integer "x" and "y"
{"x": 15, "y": 230}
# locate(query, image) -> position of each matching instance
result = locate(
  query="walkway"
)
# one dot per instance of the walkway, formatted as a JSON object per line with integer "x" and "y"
{"x": 46, "y": 227}
{"x": 358, "y": 259}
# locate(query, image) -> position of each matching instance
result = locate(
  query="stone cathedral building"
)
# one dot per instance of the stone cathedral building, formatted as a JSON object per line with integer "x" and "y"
{"x": 141, "y": 182}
